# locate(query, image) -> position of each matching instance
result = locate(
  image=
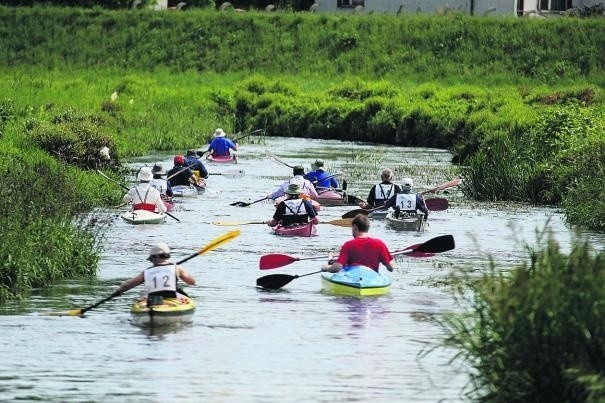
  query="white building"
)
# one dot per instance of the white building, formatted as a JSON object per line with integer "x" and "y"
{"x": 471, "y": 7}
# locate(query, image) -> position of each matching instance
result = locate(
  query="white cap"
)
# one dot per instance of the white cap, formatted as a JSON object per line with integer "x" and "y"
{"x": 145, "y": 174}
{"x": 407, "y": 184}
{"x": 159, "y": 249}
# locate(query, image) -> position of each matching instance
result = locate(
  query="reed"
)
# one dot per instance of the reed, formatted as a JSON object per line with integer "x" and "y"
{"x": 534, "y": 333}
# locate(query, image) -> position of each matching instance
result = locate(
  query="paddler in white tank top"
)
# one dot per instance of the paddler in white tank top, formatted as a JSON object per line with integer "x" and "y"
{"x": 160, "y": 279}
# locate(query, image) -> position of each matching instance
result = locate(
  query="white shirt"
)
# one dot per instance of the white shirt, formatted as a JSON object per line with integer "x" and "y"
{"x": 144, "y": 193}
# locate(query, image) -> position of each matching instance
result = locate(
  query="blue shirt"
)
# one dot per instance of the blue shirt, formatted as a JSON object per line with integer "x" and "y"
{"x": 220, "y": 146}
{"x": 317, "y": 178}
{"x": 196, "y": 165}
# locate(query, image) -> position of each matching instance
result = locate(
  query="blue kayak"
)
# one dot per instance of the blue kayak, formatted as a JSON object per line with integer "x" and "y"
{"x": 355, "y": 281}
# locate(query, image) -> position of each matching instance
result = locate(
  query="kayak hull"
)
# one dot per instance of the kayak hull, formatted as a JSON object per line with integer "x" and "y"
{"x": 184, "y": 191}
{"x": 378, "y": 214}
{"x": 172, "y": 311}
{"x": 306, "y": 230}
{"x": 143, "y": 217}
{"x": 227, "y": 159}
{"x": 331, "y": 197}
{"x": 357, "y": 281}
{"x": 407, "y": 222}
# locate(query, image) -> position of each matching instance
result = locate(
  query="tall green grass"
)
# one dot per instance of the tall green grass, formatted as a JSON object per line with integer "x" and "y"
{"x": 535, "y": 333}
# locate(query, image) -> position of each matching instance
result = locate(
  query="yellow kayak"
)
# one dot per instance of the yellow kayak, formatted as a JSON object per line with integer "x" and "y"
{"x": 171, "y": 311}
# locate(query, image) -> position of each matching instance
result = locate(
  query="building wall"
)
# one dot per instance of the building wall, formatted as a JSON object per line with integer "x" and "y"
{"x": 474, "y": 7}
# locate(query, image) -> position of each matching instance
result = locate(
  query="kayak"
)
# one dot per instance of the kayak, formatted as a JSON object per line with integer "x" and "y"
{"x": 171, "y": 311}
{"x": 407, "y": 222}
{"x": 331, "y": 197}
{"x": 379, "y": 214}
{"x": 226, "y": 159}
{"x": 336, "y": 197}
{"x": 308, "y": 229}
{"x": 143, "y": 217}
{"x": 184, "y": 191}
{"x": 355, "y": 281}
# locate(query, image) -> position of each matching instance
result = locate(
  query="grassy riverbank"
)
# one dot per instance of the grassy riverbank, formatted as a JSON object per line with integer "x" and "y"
{"x": 517, "y": 100}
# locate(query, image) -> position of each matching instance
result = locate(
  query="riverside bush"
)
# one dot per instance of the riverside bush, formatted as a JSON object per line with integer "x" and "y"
{"x": 535, "y": 333}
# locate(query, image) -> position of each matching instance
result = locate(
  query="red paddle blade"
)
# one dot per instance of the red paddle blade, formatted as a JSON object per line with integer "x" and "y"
{"x": 437, "y": 204}
{"x": 415, "y": 253}
{"x": 275, "y": 260}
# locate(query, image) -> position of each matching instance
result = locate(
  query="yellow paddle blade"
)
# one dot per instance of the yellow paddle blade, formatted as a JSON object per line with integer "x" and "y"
{"x": 220, "y": 241}
{"x": 342, "y": 222}
{"x": 73, "y": 312}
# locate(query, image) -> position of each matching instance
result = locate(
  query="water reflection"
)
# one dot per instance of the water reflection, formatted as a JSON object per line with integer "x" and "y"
{"x": 250, "y": 345}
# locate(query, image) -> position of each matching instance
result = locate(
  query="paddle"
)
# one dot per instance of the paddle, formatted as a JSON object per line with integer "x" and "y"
{"x": 244, "y": 204}
{"x": 127, "y": 188}
{"x": 215, "y": 243}
{"x": 339, "y": 222}
{"x": 276, "y": 281}
{"x": 276, "y": 159}
{"x": 435, "y": 245}
{"x": 445, "y": 185}
{"x": 231, "y": 174}
{"x": 247, "y": 134}
{"x": 433, "y": 204}
{"x": 438, "y": 244}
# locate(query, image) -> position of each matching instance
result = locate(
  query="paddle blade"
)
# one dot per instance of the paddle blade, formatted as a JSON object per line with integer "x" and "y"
{"x": 274, "y": 281}
{"x": 438, "y": 244}
{"x": 234, "y": 174}
{"x": 412, "y": 253}
{"x": 239, "y": 204}
{"x": 345, "y": 222}
{"x": 215, "y": 243}
{"x": 353, "y": 213}
{"x": 437, "y": 204}
{"x": 73, "y": 312}
{"x": 275, "y": 260}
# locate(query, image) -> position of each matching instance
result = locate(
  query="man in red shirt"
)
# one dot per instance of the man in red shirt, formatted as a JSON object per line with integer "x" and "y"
{"x": 362, "y": 249}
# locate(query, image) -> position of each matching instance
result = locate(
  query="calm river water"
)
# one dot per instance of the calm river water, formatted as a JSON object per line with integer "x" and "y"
{"x": 248, "y": 345}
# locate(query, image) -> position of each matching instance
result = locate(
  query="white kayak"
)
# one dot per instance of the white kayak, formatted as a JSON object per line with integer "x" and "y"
{"x": 143, "y": 217}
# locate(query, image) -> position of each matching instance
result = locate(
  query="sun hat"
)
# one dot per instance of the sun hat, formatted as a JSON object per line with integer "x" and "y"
{"x": 158, "y": 250}
{"x": 158, "y": 169}
{"x": 407, "y": 184}
{"x": 318, "y": 163}
{"x": 145, "y": 174}
{"x": 191, "y": 152}
{"x": 179, "y": 160}
{"x": 219, "y": 133}
{"x": 293, "y": 189}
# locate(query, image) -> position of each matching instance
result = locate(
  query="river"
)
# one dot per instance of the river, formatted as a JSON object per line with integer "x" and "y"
{"x": 250, "y": 345}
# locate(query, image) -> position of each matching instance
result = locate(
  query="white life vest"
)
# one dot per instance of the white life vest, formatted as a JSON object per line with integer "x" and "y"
{"x": 383, "y": 191}
{"x": 295, "y": 207}
{"x": 300, "y": 181}
{"x": 160, "y": 278}
{"x": 160, "y": 184}
{"x": 406, "y": 201}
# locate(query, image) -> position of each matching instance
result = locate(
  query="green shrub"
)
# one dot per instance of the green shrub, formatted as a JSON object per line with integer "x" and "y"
{"x": 535, "y": 333}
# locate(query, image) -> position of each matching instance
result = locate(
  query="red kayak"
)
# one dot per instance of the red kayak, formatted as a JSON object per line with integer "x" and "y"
{"x": 308, "y": 229}
{"x": 330, "y": 197}
{"x": 225, "y": 159}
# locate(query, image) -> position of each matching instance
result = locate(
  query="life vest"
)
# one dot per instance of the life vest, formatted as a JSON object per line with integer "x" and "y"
{"x": 143, "y": 205}
{"x": 160, "y": 278}
{"x": 382, "y": 192}
{"x": 295, "y": 212}
{"x": 406, "y": 201}
{"x": 160, "y": 184}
